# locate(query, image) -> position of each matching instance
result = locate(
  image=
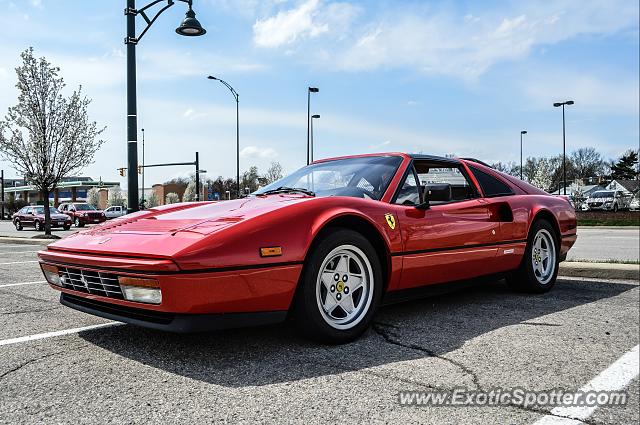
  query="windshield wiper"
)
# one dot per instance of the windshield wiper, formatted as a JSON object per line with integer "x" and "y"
{"x": 286, "y": 189}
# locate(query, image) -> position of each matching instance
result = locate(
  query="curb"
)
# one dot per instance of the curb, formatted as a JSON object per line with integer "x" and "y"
{"x": 600, "y": 270}
{"x": 25, "y": 241}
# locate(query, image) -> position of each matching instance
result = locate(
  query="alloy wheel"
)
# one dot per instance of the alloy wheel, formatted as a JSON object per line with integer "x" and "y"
{"x": 344, "y": 287}
{"x": 543, "y": 256}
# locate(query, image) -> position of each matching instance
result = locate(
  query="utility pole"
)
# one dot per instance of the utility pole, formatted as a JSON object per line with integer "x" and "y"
{"x": 197, "y": 176}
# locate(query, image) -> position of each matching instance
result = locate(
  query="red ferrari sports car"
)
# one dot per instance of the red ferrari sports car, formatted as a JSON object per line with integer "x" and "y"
{"x": 325, "y": 245}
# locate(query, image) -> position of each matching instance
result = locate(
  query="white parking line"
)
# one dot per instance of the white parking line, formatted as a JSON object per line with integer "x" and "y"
{"x": 18, "y": 262}
{"x": 22, "y": 283}
{"x": 55, "y": 333}
{"x": 614, "y": 378}
{"x": 16, "y": 252}
{"x": 20, "y": 246}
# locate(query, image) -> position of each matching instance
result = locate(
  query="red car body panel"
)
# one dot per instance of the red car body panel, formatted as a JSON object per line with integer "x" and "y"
{"x": 206, "y": 256}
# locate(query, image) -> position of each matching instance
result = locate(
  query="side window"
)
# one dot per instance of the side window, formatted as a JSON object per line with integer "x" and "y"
{"x": 490, "y": 185}
{"x": 444, "y": 183}
{"x": 28, "y": 210}
{"x": 409, "y": 193}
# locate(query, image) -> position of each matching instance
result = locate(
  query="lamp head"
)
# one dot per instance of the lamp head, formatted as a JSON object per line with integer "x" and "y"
{"x": 313, "y": 90}
{"x": 190, "y": 26}
{"x": 315, "y": 116}
{"x": 523, "y": 132}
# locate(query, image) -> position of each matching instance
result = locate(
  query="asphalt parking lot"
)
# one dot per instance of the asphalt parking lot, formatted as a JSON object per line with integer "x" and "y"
{"x": 478, "y": 338}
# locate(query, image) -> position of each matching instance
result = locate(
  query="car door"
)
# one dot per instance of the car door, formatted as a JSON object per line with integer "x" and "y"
{"x": 27, "y": 218}
{"x": 454, "y": 237}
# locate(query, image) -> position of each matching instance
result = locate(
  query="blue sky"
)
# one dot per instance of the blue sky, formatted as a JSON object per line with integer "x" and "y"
{"x": 460, "y": 77}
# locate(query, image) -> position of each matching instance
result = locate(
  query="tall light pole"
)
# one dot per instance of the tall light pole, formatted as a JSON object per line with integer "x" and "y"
{"x": 312, "y": 118}
{"x": 189, "y": 27}
{"x": 236, "y": 96}
{"x": 309, "y": 91}
{"x": 142, "y": 194}
{"x": 521, "y": 133}
{"x": 564, "y": 144}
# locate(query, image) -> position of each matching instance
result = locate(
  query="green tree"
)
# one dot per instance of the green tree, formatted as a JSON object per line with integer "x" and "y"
{"x": 626, "y": 168}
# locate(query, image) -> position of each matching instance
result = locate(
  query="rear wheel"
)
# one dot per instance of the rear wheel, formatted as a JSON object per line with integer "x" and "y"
{"x": 539, "y": 268}
{"x": 77, "y": 222}
{"x": 37, "y": 225}
{"x": 341, "y": 287}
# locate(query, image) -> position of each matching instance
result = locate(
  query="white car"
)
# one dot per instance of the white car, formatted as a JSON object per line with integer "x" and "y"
{"x": 115, "y": 211}
{"x": 635, "y": 204}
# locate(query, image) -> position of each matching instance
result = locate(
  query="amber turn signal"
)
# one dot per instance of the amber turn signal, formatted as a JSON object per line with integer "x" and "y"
{"x": 138, "y": 281}
{"x": 271, "y": 251}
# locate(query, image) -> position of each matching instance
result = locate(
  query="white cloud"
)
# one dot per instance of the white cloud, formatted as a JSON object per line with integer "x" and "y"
{"x": 379, "y": 145}
{"x": 255, "y": 151}
{"x": 441, "y": 40}
{"x": 308, "y": 20}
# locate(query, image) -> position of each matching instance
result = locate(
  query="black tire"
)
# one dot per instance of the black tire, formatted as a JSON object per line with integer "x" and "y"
{"x": 66, "y": 227}
{"x": 615, "y": 208}
{"x": 306, "y": 311}
{"x": 18, "y": 225}
{"x": 37, "y": 226}
{"x": 77, "y": 222}
{"x": 526, "y": 278}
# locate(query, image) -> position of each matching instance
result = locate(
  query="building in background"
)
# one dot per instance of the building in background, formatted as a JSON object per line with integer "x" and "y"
{"x": 70, "y": 189}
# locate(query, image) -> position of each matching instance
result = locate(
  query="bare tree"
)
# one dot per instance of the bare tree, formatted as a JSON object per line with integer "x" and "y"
{"x": 274, "y": 172}
{"x": 47, "y": 136}
{"x": 587, "y": 162}
{"x": 172, "y": 198}
{"x": 93, "y": 197}
{"x": 116, "y": 198}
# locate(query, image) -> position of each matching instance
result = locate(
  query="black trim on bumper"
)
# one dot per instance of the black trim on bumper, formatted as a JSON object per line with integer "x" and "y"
{"x": 171, "y": 322}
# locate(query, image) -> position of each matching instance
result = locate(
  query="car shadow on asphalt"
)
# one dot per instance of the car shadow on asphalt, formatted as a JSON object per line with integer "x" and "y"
{"x": 429, "y": 327}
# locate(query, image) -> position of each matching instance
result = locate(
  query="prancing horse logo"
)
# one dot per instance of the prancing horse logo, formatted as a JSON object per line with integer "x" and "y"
{"x": 391, "y": 220}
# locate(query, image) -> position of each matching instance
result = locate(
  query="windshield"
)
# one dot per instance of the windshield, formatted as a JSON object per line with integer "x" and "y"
{"x": 362, "y": 177}
{"x": 40, "y": 210}
{"x": 84, "y": 207}
{"x": 602, "y": 194}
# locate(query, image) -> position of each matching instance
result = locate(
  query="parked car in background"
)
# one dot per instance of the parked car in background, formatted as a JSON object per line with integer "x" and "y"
{"x": 82, "y": 213}
{"x": 635, "y": 204}
{"x": 34, "y": 217}
{"x": 115, "y": 211}
{"x": 584, "y": 206}
{"x": 607, "y": 200}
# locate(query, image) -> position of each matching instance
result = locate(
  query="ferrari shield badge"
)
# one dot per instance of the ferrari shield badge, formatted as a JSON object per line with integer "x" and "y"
{"x": 391, "y": 220}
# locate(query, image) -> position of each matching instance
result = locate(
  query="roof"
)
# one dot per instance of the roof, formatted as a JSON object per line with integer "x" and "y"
{"x": 631, "y": 185}
{"x": 64, "y": 185}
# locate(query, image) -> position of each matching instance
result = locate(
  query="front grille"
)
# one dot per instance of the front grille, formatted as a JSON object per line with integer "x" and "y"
{"x": 91, "y": 282}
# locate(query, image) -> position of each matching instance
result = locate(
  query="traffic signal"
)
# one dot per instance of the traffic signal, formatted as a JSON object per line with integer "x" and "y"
{"x": 121, "y": 171}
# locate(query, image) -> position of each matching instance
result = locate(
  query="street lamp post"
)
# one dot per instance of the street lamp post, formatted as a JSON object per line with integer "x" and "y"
{"x": 189, "y": 27}
{"x": 309, "y": 91}
{"x": 142, "y": 194}
{"x": 564, "y": 144}
{"x": 236, "y": 96}
{"x": 521, "y": 133}
{"x": 312, "y": 118}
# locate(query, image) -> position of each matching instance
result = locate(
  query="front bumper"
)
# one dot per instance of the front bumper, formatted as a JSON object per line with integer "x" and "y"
{"x": 171, "y": 322}
{"x": 191, "y": 301}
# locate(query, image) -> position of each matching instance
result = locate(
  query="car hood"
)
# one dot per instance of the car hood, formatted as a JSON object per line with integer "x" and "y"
{"x": 168, "y": 230}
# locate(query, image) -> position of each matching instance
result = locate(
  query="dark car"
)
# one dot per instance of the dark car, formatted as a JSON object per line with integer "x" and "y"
{"x": 82, "y": 213}
{"x": 34, "y": 217}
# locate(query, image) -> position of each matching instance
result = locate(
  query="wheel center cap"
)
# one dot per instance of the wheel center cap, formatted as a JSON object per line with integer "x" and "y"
{"x": 340, "y": 286}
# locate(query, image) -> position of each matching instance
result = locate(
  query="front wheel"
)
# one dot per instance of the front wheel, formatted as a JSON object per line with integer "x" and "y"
{"x": 38, "y": 226}
{"x": 539, "y": 268}
{"x": 77, "y": 222}
{"x": 340, "y": 290}
{"x": 18, "y": 225}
